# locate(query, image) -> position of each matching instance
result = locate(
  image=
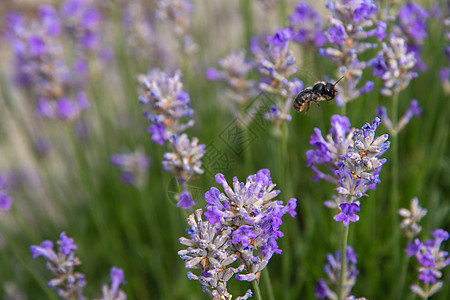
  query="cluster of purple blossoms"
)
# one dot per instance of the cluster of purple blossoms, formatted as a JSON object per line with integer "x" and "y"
{"x": 394, "y": 65}
{"x": 276, "y": 64}
{"x": 412, "y": 27}
{"x": 351, "y": 24}
{"x": 411, "y": 218}
{"x": 176, "y": 13}
{"x": 134, "y": 167}
{"x": 444, "y": 73}
{"x": 5, "y": 200}
{"x": 413, "y": 110}
{"x": 117, "y": 277}
{"x": 234, "y": 71}
{"x": 67, "y": 283}
{"x": 352, "y": 158}
{"x": 41, "y": 68}
{"x": 140, "y": 34}
{"x": 333, "y": 271}
{"x": 432, "y": 260}
{"x": 243, "y": 226}
{"x": 168, "y": 108}
{"x": 167, "y": 105}
{"x": 307, "y": 26}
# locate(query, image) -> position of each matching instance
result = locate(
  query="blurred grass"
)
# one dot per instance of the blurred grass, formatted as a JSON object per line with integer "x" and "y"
{"x": 79, "y": 191}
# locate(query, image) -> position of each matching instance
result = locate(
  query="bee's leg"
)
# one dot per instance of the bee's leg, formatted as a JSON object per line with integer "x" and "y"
{"x": 307, "y": 104}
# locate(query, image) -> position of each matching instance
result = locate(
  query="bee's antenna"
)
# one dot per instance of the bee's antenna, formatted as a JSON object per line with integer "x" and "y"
{"x": 338, "y": 81}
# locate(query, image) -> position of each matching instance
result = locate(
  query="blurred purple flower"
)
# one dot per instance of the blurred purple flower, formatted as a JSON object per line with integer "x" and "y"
{"x": 306, "y": 25}
{"x": 134, "y": 166}
{"x": 5, "y": 200}
{"x": 114, "y": 293}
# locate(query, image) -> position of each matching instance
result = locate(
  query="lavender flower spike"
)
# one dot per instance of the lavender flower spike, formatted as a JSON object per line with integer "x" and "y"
{"x": 432, "y": 260}
{"x": 113, "y": 292}
{"x": 306, "y": 25}
{"x": 394, "y": 66}
{"x": 5, "y": 200}
{"x": 208, "y": 250}
{"x": 352, "y": 23}
{"x": 411, "y": 218}
{"x": 167, "y": 104}
{"x": 67, "y": 283}
{"x": 328, "y": 289}
{"x": 134, "y": 166}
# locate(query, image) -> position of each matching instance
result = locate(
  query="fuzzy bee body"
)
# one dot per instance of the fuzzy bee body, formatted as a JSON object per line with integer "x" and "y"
{"x": 321, "y": 91}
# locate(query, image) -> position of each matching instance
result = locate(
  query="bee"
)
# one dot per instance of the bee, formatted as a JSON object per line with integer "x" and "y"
{"x": 321, "y": 91}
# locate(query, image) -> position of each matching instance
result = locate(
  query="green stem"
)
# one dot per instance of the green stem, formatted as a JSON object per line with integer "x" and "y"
{"x": 344, "y": 250}
{"x": 394, "y": 185}
{"x": 268, "y": 284}
{"x": 402, "y": 278}
{"x": 255, "y": 286}
{"x": 343, "y": 265}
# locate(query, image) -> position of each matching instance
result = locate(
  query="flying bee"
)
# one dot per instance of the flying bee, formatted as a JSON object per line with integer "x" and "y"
{"x": 321, "y": 91}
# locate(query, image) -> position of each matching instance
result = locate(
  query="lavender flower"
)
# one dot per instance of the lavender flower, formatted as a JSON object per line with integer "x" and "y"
{"x": 234, "y": 71}
{"x": 67, "y": 283}
{"x": 175, "y": 13}
{"x": 208, "y": 250}
{"x": 134, "y": 167}
{"x": 276, "y": 65}
{"x": 444, "y": 73}
{"x": 113, "y": 292}
{"x": 347, "y": 213}
{"x": 432, "y": 261}
{"x": 41, "y": 68}
{"x": 306, "y": 25}
{"x": 351, "y": 24}
{"x": 5, "y": 200}
{"x": 333, "y": 271}
{"x": 352, "y": 158}
{"x": 411, "y": 25}
{"x": 255, "y": 218}
{"x": 413, "y": 110}
{"x": 411, "y": 218}
{"x": 185, "y": 159}
{"x": 394, "y": 65}
{"x": 167, "y": 104}
{"x": 242, "y": 226}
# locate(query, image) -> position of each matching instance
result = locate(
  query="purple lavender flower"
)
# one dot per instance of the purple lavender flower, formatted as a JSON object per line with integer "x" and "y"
{"x": 234, "y": 72}
{"x": 411, "y": 25}
{"x": 351, "y": 24}
{"x": 185, "y": 159}
{"x": 167, "y": 104}
{"x": 176, "y": 14}
{"x": 306, "y": 25}
{"x": 41, "y": 68}
{"x": 276, "y": 64}
{"x": 134, "y": 166}
{"x": 254, "y": 216}
{"x": 352, "y": 158}
{"x": 347, "y": 213}
{"x": 413, "y": 110}
{"x": 169, "y": 107}
{"x": 411, "y": 218}
{"x": 67, "y": 283}
{"x": 394, "y": 65}
{"x": 114, "y": 293}
{"x": 5, "y": 200}
{"x": 432, "y": 260}
{"x": 333, "y": 269}
{"x": 208, "y": 250}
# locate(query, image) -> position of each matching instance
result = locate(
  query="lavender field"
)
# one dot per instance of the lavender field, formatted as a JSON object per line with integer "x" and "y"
{"x": 187, "y": 149}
